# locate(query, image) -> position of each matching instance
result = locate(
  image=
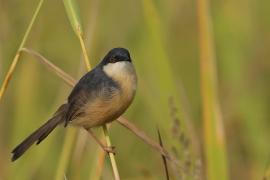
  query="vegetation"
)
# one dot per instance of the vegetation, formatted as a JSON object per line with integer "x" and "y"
{"x": 201, "y": 109}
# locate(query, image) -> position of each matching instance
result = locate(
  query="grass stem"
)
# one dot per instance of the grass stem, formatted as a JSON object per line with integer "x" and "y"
{"x": 72, "y": 11}
{"x": 86, "y": 59}
{"x": 17, "y": 56}
{"x": 74, "y": 18}
{"x": 111, "y": 155}
{"x": 104, "y": 127}
{"x": 163, "y": 157}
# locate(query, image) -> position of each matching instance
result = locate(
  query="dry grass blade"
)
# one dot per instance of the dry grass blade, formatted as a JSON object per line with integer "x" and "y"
{"x": 139, "y": 133}
{"x": 63, "y": 75}
{"x": 9, "y": 75}
{"x": 163, "y": 157}
{"x": 124, "y": 122}
{"x": 17, "y": 56}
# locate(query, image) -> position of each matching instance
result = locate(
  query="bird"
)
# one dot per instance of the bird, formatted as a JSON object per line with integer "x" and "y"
{"x": 99, "y": 97}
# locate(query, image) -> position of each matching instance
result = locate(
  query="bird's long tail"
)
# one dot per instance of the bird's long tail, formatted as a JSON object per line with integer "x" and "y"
{"x": 41, "y": 133}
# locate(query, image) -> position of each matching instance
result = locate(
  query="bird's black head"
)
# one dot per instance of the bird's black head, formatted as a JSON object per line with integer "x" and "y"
{"x": 116, "y": 55}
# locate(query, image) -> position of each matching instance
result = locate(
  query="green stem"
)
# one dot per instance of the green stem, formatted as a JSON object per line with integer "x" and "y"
{"x": 31, "y": 24}
{"x": 17, "y": 56}
{"x": 113, "y": 162}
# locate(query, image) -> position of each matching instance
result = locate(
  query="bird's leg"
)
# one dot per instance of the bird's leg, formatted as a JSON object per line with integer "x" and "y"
{"x": 108, "y": 149}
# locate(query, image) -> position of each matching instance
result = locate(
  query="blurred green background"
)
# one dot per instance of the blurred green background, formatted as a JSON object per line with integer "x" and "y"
{"x": 164, "y": 47}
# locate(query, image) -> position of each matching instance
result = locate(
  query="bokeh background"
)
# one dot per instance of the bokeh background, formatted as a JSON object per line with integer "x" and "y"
{"x": 163, "y": 39}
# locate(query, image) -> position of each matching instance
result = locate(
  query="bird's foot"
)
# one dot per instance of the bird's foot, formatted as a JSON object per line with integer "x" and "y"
{"x": 109, "y": 149}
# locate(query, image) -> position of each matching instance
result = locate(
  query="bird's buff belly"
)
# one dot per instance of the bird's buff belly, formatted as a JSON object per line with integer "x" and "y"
{"x": 100, "y": 112}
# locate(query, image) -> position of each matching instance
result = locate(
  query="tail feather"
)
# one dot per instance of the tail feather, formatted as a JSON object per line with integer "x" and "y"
{"x": 40, "y": 134}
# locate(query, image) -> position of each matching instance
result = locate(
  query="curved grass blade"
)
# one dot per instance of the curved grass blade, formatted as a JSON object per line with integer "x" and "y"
{"x": 75, "y": 21}
{"x": 73, "y": 15}
{"x": 17, "y": 56}
{"x": 63, "y": 75}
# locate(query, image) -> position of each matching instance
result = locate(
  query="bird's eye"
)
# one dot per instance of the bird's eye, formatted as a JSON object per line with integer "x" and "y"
{"x": 113, "y": 60}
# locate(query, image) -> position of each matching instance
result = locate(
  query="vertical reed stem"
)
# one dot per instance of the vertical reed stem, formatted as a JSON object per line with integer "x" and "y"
{"x": 113, "y": 162}
{"x": 86, "y": 59}
{"x": 73, "y": 14}
{"x": 105, "y": 129}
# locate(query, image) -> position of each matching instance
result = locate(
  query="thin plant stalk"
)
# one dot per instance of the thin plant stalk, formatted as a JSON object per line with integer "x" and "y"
{"x": 163, "y": 157}
{"x": 73, "y": 14}
{"x": 214, "y": 138}
{"x": 74, "y": 18}
{"x": 95, "y": 171}
{"x": 98, "y": 164}
{"x": 86, "y": 59}
{"x": 111, "y": 155}
{"x": 63, "y": 75}
{"x": 104, "y": 127}
{"x": 140, "y": 134}
{"x": 17, "y": 56}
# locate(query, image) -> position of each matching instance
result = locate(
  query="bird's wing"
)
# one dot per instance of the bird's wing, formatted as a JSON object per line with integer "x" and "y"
{"x": 75, "y": 106}
{"x": 94, "y": 84}
{"x": 80, "y": 95}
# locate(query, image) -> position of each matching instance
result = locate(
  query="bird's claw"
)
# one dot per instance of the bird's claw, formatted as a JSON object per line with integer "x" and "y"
{"x": 109, "y": 149}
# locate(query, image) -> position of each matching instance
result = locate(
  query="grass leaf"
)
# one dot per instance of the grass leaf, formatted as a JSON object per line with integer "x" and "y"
{"x": 214, "y": 138}
{"x": 73, "y": 15}
{"x": 17, "y": 56}
{"x": 72, "y": 11}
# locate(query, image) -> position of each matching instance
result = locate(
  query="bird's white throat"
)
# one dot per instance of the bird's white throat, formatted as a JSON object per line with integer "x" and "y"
{"x": 123, "y": 72}
{"x": 119, "y": 68}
